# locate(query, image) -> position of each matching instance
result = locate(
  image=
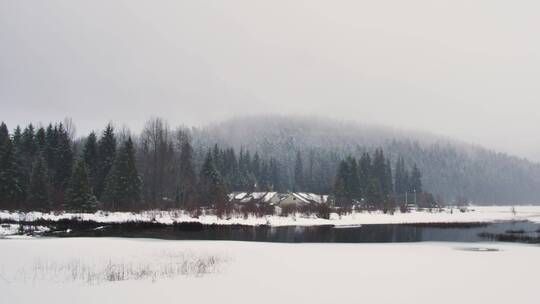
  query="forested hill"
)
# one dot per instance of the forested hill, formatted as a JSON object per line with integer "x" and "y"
{"x": 455, "y": 170}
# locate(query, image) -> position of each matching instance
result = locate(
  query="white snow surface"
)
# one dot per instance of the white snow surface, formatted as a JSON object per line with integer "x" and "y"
{"x": 474, "y": 214}
{"x": 274, "y": 273}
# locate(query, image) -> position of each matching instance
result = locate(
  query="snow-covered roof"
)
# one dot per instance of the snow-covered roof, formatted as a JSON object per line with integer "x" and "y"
{"x": 240, "y": 195}
{"x": 268, "y": 196}
{"x": 312, "y": 197}
{"x": 246, "y": 199}
{"x": 298, "y": 196}
{"x": 257, "y": 195}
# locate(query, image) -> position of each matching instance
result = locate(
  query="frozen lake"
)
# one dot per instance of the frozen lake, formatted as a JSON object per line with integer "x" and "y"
{"x": 120, "y": 270}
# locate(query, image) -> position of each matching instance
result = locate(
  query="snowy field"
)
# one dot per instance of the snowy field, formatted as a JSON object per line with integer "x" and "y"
{"x": 109, "y": 270}
{"x": 473, "y": 214}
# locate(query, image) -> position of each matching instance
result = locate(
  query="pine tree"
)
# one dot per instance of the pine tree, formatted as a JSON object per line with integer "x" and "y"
{"x": 28, "y": 142}
{"x": 49, "y": 150}
{"x": 123, "y": 186}
{"x": 341, "y": 195}
{"x": 388, "y": 179}
{"x": 247, "y": 180}
{"x": 299, "y": 180}
{"x": 380, "y": 172}
{"x": 79, "y": 196}
{"x": 352, "y": 182}
{"x": 364, "y": 172}
{"x": 106, "y": 153}
{"x": 416, "y": 180}
{"x": 91, "y": 158}
{"x": 28, "y": 151}
{"x": 275, "y": 179}
{"x": 256, "y": 170}
{"x": 64, "y": 161}
{"x": 38, "y": 190}
{"x": 21, "y": 167}
{"x": 188, "y": 178}
{"x": 40, "y": 139}
{"x": 401, "y": 183}
{"x": 211, "y": 187}
{"x": 374, "y": 195}
{"x": 264, "y": 177}
{"x": 10, "y": 189}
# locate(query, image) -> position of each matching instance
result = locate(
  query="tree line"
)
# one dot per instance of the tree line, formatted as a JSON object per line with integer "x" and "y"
{"x": 46, "y": 168}
{"x": 371, "y": 181}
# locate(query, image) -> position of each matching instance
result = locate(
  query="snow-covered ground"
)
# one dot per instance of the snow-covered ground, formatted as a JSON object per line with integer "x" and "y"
{"x": 8, "y": 230}
{"x": 474, "y": 214}
{"x": 267, "y": 272}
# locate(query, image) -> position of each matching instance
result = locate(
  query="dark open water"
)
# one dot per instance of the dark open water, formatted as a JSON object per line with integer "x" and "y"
{"x": 526, "y": 232}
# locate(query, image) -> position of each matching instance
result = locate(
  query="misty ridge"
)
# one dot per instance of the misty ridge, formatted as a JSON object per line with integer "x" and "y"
{"x": 458, "y": 171}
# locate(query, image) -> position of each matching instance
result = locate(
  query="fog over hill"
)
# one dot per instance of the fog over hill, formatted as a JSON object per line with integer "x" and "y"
{"x": 451, "y": 168}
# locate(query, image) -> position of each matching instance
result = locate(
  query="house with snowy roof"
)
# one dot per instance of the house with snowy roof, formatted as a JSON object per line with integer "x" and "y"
{"x": 278, "y": 199}
{"x": 302, "y": 199}
{"x": 242, "y": 198}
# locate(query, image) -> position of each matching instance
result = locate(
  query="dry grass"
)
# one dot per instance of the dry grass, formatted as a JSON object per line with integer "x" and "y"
{"x": 161, "y": 266}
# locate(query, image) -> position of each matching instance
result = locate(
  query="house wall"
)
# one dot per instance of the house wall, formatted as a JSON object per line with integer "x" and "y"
{"x": 292, "y": 200}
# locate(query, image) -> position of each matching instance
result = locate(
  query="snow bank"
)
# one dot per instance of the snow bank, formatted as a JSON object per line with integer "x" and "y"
{"x": 474, "y": 214}
{"x": 8, "y": 229}
{"x": 17, "y": 230}
{"x": 283, "y": 273}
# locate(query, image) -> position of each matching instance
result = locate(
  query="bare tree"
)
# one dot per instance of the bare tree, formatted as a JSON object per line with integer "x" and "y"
{"x": 70, "y": 128}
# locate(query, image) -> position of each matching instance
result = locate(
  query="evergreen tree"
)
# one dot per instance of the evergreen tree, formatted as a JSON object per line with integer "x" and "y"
{"x": 58, "y": 154}
{"x": 388, "y": 179}
{"x": 28, "y": 151}
{"x": 275, "y": 179}
{"x": 364, "y": 172}
{"x": 123, "y": 186}
{"x": 211, "y": 187}
{"x": 28, "y": 142}
{"x": 106, "y": 154}
{"x": 188, "y": 178}
{"x": 79, "y": 195}
{"x": 49, "y": 149}
{"x": 10, "y": 190}
{"x": 17, "y": 136}
{"x": 416, "y": 180}
{"x": 380, "y": 172}
{"x": 374, "y": 195}
{"x": 347, "y": 183}
{"x": 256, "y": 170}
{"x": 21, "y": 167}
{"x": 64, "y": 160}
{"x": 352, "y": 181}
{"x": 401, "y": 180}
{"x": 299, "y": 180}
{"x": 264, "y": 177}
{"x": 38, "y": 190}
{"x": 40, "y": 139}
{"x": 341, "y": 195}
{"x": 91, "y": 158}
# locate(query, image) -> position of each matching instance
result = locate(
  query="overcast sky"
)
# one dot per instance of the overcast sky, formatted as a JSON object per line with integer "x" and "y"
{"x": 467, "y": 69}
